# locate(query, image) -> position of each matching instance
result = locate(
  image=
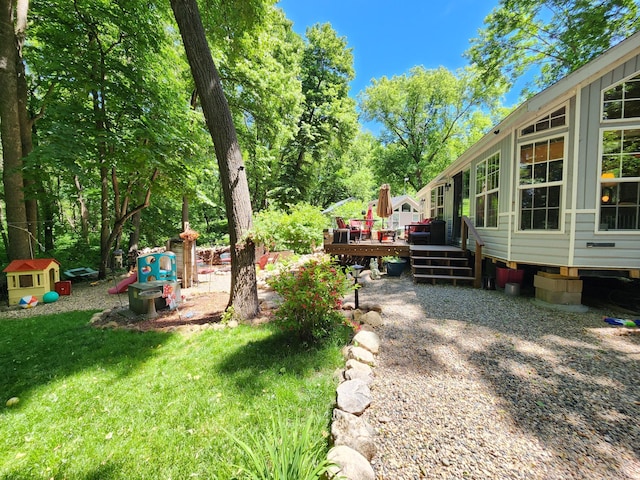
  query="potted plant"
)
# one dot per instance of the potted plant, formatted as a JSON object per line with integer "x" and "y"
{"x": 394, "y": 265}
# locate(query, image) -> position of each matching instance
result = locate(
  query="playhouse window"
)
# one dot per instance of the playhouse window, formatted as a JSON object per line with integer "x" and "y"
{"x": 540, "y": 184}
{"x": 487, "y": 186}
{"x": 620, "y": 180}
{"x": 26, "y": 281}
{"x": 622, "y": 100}
{"x": 557, "y": 118}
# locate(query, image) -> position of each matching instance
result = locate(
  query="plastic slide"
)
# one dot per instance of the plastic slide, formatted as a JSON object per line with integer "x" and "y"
{"x": 124, "y": 284}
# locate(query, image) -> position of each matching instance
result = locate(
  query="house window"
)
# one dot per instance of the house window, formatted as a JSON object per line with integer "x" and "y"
{"x": 622, "y": 101}
{"x": 487, "y": 185}
{"x": 437, "y": 202}
{"x": 540, "y": 184}
{"x": 26, "y": 281}
{"x": 555, "y": 119}
{"x": 620, "y": 180}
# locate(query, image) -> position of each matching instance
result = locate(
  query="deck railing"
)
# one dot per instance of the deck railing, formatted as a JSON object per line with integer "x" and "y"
{"x": 466, "y": 230}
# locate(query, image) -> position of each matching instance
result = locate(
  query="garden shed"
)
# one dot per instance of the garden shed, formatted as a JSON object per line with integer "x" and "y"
{"x": 556, "y": 184}
{"x": 31, "y": 277}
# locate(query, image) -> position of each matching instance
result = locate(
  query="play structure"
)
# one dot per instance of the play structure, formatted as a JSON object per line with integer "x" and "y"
{"x": 155, "y": 286}
{"x": 123, "y": 285}
{"x": 31, "y": 278}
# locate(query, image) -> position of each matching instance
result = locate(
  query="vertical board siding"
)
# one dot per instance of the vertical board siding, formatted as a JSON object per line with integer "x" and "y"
{"x": 626, "y": 253}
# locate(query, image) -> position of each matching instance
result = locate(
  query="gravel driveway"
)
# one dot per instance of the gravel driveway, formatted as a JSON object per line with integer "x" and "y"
{"x": 477, "y": 384}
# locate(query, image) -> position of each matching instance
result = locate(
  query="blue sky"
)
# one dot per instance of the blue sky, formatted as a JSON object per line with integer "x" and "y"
{"x": 390, "y": 37}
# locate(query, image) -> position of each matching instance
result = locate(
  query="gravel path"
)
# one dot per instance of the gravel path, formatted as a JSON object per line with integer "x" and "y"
{"x": 477, "y": 384}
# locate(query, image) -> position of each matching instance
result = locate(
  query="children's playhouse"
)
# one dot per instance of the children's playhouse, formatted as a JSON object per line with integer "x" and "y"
{"x": 31, "y": 277}
{"x": 157, "y": 286}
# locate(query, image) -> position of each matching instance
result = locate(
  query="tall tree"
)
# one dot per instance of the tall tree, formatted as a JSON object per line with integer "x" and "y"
{"x": 553, "y": 36}
{"x": 424, "y": 115}
{"x": 328, "y": 119}
{"x": 120, "y": 121}
{"x": 244, "y": 293}
{"x": 12, "y": 25}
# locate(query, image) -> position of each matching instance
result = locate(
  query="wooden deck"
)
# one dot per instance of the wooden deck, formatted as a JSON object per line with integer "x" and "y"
{"x": 368, "y": 248}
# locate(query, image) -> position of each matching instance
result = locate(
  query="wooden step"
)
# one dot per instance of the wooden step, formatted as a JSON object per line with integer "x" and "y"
{"x": 440, "y": 259}
{"x": 448, "y": 268}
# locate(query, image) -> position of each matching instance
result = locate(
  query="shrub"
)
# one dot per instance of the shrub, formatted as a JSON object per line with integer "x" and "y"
{"x": 311, "y": 296}
{"x": 299, "y": 230}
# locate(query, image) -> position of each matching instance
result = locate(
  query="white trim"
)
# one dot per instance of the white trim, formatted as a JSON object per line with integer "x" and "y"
{"x": 611, "y": 128}
{"x": 485, "y": 194}
{"x": 601, "y": 119}
{"x": 576, "y": 169}
{"x": 562, "y": 183}
{"x": 543, "y": 115}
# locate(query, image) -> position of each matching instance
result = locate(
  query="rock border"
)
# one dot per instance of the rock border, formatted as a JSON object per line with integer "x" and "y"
{"x": 352, "y": 436}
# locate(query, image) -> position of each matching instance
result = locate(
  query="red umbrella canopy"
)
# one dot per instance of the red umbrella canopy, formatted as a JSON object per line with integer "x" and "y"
{"x": 384, "y": 208}
{"x": 369, "y": 218}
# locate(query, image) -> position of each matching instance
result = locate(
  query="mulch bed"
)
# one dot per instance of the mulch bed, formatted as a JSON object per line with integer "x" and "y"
{"x": 197, "y": 310}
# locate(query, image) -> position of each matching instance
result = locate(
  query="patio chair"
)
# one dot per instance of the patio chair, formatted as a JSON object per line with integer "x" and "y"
{"x": 363, "y": 227}
{"x": 354, "y": 232}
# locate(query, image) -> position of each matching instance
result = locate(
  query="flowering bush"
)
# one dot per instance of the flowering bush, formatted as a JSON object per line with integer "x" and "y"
{"x": 311, "y": 297}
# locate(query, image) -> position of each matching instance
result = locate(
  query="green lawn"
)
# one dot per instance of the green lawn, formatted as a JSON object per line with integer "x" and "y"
{"x": 100, "y": 404}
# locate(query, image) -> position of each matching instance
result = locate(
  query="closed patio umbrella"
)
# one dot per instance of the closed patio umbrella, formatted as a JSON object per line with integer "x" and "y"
{"x": 384, "y": 208}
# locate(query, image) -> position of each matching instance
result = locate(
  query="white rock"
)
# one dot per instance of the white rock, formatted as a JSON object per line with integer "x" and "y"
{"x": 354, "y": 396}
{"x": 362, "y": 355}
{"x": 350, "y": 464}
{"x": 367, "y": 340}
{"x": 372, "y": 318}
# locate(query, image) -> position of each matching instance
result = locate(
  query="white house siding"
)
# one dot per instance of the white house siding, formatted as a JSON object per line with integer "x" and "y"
{"x": 566, "y": 247}
{"x": 626, "y": 253}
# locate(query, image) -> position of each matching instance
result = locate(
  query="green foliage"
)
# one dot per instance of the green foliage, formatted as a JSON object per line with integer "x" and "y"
{"x": 554, "y": 37}
{"x": 352, "y": 209}
{"x": 290, "y": 449}
{"x": 300, "y": 230}
{"x": 311, "y": 296}
{"x": 72, "y": 252}
{"x": 327, "y": 123}
{"x": 425, "y": 116}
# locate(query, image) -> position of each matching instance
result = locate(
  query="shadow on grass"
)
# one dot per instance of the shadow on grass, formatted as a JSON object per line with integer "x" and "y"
{"x": 38, "y": 350}
{"x": 253, "y": 365}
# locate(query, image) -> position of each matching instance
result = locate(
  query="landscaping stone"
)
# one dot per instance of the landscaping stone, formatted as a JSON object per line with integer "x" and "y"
{"x": 354, "y": 396}
{"x": 372, "y": 318}
{"x": 361, "y": 354}
{"x": 351, "y": 464}
{"x": 367, "y": 340}
{"x": 354, "y": 432}
{"x": 358, "y": 370}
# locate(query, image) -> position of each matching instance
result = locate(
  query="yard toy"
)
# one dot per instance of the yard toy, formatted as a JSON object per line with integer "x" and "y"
{"x": 28, "y": 301}
{"x": 50, "y": 297}
{"x": 621, "y": 322}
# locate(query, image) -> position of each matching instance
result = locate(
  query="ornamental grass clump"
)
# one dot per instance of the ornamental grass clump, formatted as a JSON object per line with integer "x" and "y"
{"x": 312, "y": 297}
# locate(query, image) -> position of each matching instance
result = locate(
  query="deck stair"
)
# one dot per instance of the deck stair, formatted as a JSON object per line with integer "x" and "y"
{"x": 440, "y": 262}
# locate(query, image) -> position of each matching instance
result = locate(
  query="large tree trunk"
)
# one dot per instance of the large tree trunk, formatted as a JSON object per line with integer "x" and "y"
{"x": 244, "y": 293}
{"x": 18, "y": 234}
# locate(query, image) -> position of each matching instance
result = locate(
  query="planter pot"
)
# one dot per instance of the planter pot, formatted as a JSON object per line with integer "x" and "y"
{"x": 395, "y": 269}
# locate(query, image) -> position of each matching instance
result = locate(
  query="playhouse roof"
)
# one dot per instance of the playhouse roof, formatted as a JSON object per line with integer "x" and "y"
{"x": 35, "y": 265}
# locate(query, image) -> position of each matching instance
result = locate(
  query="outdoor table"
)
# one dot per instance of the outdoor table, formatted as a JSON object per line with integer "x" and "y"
{"x": 386, "y": 234}
{"x": 151, "y": 296}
